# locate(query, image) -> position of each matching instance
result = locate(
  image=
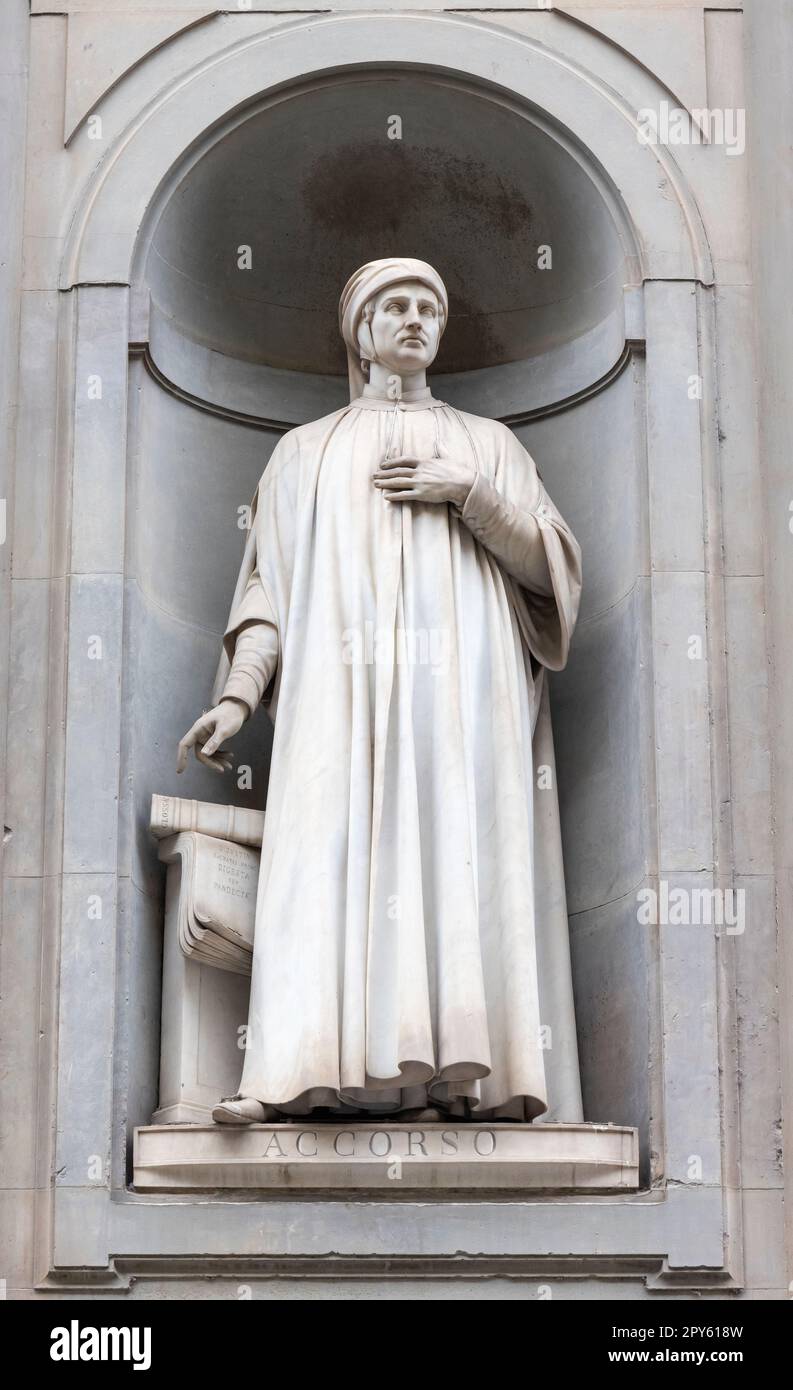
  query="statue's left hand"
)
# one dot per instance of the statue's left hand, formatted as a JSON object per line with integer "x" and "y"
{"x": 410, "y": 479}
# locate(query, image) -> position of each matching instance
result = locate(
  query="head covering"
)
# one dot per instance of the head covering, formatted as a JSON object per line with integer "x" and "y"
{"x": 363, "y": 286}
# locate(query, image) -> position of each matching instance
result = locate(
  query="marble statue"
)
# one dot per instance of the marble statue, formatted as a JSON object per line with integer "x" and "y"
{"x": 406, "y": 585}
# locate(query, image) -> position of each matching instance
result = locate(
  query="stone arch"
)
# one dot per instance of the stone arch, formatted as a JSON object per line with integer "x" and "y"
{"x": 114, "y": 212}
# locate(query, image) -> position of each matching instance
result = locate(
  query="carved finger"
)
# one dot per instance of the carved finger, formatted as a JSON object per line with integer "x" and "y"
{"x": 399, "y": 461}
{"x": 200, "y": 730}
{"x": 211, "y": 744}
{"x": 184, "y": 749}
{"x": 221, "y": 763}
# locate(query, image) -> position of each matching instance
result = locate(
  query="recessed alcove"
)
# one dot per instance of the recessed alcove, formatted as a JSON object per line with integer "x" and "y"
{"x": 311, "y": 182}
{"x": 314, "y": 184}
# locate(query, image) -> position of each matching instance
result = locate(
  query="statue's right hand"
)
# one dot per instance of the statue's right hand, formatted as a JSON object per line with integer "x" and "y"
{"x": 207, "y": 734}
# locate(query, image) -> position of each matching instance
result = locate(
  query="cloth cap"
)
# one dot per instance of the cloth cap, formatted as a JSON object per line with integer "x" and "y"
{"x": 367, "y": 282}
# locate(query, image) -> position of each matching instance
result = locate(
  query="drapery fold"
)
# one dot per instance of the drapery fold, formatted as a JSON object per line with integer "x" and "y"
{"x": 411, "y": 940}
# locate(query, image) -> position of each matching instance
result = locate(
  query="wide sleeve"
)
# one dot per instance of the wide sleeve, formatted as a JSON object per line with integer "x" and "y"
{"x": 252, "y": 638}
{"x": 511, "y": 514}
{"x": 253, "y": 665}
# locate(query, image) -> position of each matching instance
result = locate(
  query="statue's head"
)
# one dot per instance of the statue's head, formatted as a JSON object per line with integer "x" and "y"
{"x": 392, "y": 312}
{"x": 401, "y": 327}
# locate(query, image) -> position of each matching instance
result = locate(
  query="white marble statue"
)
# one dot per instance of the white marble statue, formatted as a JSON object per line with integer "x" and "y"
{"x": 406, "y": 583}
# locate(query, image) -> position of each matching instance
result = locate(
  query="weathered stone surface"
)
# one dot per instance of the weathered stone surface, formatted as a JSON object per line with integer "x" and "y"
{"x": 436, "y": 1157}
{"x": 686, "y": 1023}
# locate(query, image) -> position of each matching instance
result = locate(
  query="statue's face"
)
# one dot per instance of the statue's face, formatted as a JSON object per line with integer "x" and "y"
{"x": 406, "y": 327}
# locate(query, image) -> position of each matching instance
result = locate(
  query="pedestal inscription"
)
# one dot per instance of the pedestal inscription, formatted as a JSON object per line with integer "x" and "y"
{"x": 498, "y": 1157}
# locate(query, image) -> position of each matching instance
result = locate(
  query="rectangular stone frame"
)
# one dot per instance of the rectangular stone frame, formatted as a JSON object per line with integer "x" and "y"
{"x": 92, "y": 1234}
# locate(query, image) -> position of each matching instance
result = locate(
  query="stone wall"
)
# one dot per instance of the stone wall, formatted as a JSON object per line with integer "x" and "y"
{"x": 660, "y": 415}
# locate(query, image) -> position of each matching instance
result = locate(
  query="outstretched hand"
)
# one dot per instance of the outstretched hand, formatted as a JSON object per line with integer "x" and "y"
{"x": 410, "y": 479}
{"x": 207, "y": 734}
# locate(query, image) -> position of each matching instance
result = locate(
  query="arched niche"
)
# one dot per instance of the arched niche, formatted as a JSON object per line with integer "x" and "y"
{"x": 240, "y": 287}
{"x": 616, "y": 459}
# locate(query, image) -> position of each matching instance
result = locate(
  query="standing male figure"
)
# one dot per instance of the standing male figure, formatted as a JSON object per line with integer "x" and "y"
{"x": 411, "y": 943}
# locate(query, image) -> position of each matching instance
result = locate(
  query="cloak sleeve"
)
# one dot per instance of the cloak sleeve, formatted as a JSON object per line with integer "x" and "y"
{"x": 515, "y": 519}
{"x": 253, "y": 665}
{"x": 252, "y": 639}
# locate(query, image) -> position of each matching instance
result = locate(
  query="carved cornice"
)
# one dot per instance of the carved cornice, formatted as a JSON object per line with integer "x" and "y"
{"x": 263, "y": 422}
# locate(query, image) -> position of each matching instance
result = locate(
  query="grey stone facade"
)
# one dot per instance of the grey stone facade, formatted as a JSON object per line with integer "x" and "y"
{"x": 648, "y": 375}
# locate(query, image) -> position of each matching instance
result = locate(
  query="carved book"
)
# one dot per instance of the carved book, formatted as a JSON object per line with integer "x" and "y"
{"x": 217, "y": 898}
{"x": 170, "y": 814}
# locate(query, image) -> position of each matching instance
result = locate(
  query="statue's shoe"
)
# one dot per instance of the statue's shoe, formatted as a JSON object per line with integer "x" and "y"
{"x": 243, "y": 1111}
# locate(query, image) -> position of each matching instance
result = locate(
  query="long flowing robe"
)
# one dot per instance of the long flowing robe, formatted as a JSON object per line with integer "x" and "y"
{"x": 411, "y": 940}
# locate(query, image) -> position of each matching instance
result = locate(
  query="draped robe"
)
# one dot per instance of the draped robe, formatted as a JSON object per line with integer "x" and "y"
{"x": 411, "y": 941}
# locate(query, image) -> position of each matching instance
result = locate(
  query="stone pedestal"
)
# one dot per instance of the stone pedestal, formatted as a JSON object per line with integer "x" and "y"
{"x": 204, "y": 1008}
{"x": 389, "y": 1157}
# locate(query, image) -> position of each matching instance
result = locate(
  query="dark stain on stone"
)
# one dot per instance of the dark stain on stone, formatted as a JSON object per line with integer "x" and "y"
{"x": 379, "y": 191}
{"x": 442, "y": 207}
